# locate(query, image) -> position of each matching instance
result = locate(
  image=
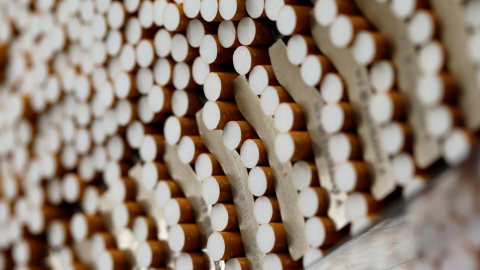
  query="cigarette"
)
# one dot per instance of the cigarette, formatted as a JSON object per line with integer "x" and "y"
{"x": 288, "y": 117}
{"x": 197, "y": 29}
{"x": 183, "y": 77}
{"x": 280, "y": 261}
{"x": 432, "y": 57}
{"x": 382, "y": 76}
{"x": 144, "y": 52}
{"x": 152, "y": 172}
{"x": 144, "y": 80}
{"x": 178, "y": 210}
{"x": 118, "y": 149}
{"x": 293, "y": 20}
{"x": 124, "y": 214}
{"x": 174, "y": 19}
{"x": 246, "y": 57}
{"x": 314, "y": 68}
{"x": 396, "y": 137}
{"x": 29, "y": 251}
{"x": 312, "y": 255}
{"x": 191, "y": 260}
{"x": 144, "y": 228}
{"x": 422, "y": 27}
{"x": 131, "y": 6}
{"x": 184, "y": 237}
{"x": 255, "y": 9}
{"x": 293, "y": 146}
{"x": 114, "y": 42}
{"x": 160, "y": 99}
{"x": 209, "y": 11}
{"x": 185, "y": 103}
{"x": 116, "y": 15}
{"x": 260, "y": 77}
{"x": 271, "y": 98}
{"x": 360, "y": 205}
{"x": 352, "y": 176}
{"x": 299, "y": 46}
{"x": 152, "y": 147}
{"x": 181, "y": 50}
{"x": 271, "y": 238}
{"x": 253, "y": 153}
{"x": 83, "y": 114}
{"x": 344, "y": 146}
{"x": 345, "y": 28}
{"x": 146, "y": 114}
{"x": 404, "y": 168}
{"x": 326, "y": 11}
{"x": 112, "y": 259}
{"x": 405, "y": 9}
{"x": 128, "y": 59}
{"x": 106, "y": 96}
{"x": 233, "y": 10}
{"x": 240, "y": 263}
{"x": 145, "y": 14}
{"x": 136, "y": 131}
{"x": 83, "y": 226}
{"x": 266, "y": 210}
{"x": 101, "y": 241}
{"x": 189, "y": 148}
{"x": 69, "y": 157}
{"x": 216, "y": 189}
{"x": 212, "y": 51}
{"x": 369, "y": 47}
{"x": 260, "y": 181}
{"x": 91, "y": 198}
{"x": 313, "y": 201}
{"x": 177, "y": 127}
{"x": 126, "y": 112}
{"x": 441, "y": 119}
{"x": 254, "y": 32}
{"x": 83, "y": 90}
{"x": 52, "y": 166}
{"x": 304, "y": 175}
{"x": 163, "y": 43}
{"x": 219, "y": 85}
{"x": 36, "y": 195}
{"x": 20, "y": 207}
{"x": 225, "y": 245}
{"x": 68, "y": 126}
{"x": 235, "y": 133}
{"x": 53, "y": 92}
{"x": 457, "y": 146}
{"x": 227, "y": 34}
{"x": 414, "y": 186}
{"x": 207, "y": 165}
{"x": 150, "y": 253}
{"x": 58, "y": 233}
{"x": 54, "y": 192}
{"x": 72, "y": 188}
{"x": 217, "y": 113}
{"x": 224, "y": 217}
{"x": 191, "y": 8}
{"x": 99, "y": 157}
{"x": 321, "y": 232}
{"x": 338, "y": 117}
{"x": 435, "y": 89}
{"x": 164, "y": 190}
{"x": 114, "y": 170}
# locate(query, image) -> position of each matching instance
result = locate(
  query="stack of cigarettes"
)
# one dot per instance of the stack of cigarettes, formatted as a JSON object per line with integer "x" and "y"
{"x": 108, "y": 109}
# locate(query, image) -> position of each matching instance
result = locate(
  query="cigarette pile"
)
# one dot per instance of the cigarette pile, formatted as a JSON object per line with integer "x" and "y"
{"x": 223, "y": 134}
